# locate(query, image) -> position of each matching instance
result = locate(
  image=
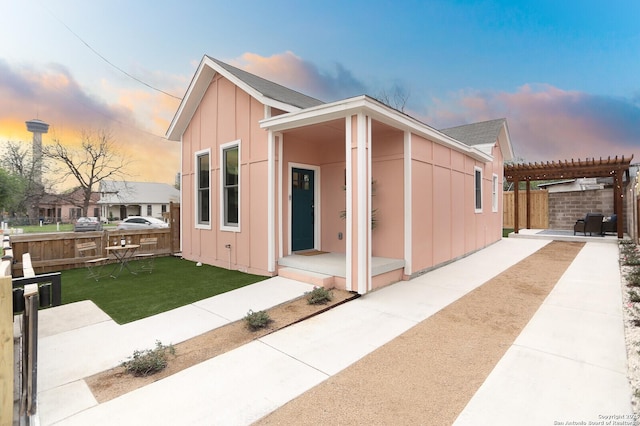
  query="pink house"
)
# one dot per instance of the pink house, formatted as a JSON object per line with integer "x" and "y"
{"x": 352, "y": 194}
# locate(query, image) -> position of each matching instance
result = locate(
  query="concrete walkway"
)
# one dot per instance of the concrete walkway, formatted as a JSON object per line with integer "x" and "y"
{"x": 569, "y": 364}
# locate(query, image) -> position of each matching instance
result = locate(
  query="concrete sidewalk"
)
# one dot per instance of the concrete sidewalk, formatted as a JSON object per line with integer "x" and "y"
{"x": 568, "y": 364}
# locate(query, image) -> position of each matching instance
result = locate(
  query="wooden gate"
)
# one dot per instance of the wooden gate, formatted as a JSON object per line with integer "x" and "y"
{"x": 174, "y": 211}
{"x": 539, "y": 209}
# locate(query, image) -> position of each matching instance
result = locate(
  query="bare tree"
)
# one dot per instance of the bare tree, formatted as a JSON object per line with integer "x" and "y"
{"x": 17, "y": 160}
{"x": 396, "y": 98}
{"x": 96, "y": 160}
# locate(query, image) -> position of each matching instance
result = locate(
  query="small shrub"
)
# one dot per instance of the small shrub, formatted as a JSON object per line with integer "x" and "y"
{"x": 150, "y": 361}
{"x": 634, "y": 296}
{"x": 632, "y": 277}
{"x": 631, "y": 258}
{"x": 319, "y": 295}
{"x": 257, "y": 320}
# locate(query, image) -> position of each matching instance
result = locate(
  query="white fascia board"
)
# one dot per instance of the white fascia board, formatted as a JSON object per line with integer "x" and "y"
{"x": 486, "y": 148}
{"x": 374, "y": 109}
{"x": 250, "y": 90}
{"x": 314, "y": 115}
{"x": 505, "y": 143}
{"x": 198, "y": 87}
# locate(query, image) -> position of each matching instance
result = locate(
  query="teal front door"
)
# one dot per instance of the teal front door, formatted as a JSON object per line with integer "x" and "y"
{"x": 302, "y": 209}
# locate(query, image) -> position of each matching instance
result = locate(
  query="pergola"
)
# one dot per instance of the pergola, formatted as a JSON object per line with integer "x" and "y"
{"x": 609, "y": 167}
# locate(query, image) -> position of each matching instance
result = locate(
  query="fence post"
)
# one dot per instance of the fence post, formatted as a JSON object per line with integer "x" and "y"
{"x": 30, "y": 349}
{"x": 6, "y": 351}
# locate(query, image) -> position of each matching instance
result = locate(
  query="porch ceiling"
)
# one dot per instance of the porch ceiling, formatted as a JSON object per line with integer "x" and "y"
{"x": 335, "y": 129}
{"x": 321, "y": 132}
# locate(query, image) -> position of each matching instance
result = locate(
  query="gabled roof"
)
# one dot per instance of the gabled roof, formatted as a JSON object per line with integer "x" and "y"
{"x": 117, "y": 192}
{"x": 74, "y": 197}
{"x": 265, "y": 91}
{"x": 483, "y": 135}
{"x": 269, "y": 88}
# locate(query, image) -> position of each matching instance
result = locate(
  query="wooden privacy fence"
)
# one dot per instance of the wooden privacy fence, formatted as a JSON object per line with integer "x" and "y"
{"x": 51, "y": 252}
{"x": 539, "y": 209}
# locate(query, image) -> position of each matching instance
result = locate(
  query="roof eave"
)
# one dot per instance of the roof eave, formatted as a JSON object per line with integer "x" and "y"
{"x": 197, "y": 88}
{"x": 376, "y": 110}
{"x": 505, "y": 143}
{"x": 195, "y": 92}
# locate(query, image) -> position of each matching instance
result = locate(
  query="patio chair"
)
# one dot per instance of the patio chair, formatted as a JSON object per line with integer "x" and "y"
{"x": 610, "y": 225}
{"x": 92, "y": 259}
{"x": 591, "y": 223}
{"x": 146, "y": 254}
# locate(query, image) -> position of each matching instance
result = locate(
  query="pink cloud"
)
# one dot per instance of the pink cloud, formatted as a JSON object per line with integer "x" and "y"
{"x": 296, "y": 73}
{"x": 51, "y": 93}
{"x": 547, "y": 123}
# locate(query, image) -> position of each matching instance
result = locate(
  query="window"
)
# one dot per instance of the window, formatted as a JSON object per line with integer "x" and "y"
{"x": 230, "y": 180}
{"x": 164, "y": 208}
{"x": 203, "y": 183}
{"x": 494, "y": 193}
{"x": 149, "y": 210}
{"x": 478, "y": 189}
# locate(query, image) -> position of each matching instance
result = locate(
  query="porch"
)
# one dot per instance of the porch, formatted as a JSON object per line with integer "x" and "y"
{"x": 329, "y": 270}
{"x": 565, "y": 235}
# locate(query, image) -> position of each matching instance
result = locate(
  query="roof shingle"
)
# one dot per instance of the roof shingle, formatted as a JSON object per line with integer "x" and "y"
{"x": 485, "y": 132}
{"x": 270, "y": 89}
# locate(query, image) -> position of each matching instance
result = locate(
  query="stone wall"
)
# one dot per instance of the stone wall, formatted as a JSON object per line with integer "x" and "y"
{"x": 567, "y": 207}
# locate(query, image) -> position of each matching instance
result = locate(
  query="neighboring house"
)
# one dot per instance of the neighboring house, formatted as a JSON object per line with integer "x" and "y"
{"x": 570, "y": 185}
{"x": 268, "y": 172}
{"x": 66, "y": 208}
{"x": 119, "y": 200}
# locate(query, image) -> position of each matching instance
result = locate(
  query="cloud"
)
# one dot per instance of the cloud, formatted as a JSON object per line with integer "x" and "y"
{"x": 550, "y": 124}
{"x": 51, "y": 93}
{"x": 294, "y": 72}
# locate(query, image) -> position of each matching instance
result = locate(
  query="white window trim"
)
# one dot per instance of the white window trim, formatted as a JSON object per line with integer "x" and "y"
{"x": 494, "y": 193}
{"x": 196, "y": 180}
{"x": 224, "y": 147}
{"x": 476, "y": 208}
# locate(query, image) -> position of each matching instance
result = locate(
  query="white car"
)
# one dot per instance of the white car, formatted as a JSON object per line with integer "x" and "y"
{"x": 142, "y": 222}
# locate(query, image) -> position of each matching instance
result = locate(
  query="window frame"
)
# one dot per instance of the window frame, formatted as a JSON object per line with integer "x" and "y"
{"x": 201, "y": 224}
{"x": 494, "y": 193}
{"x": 224, "y": 226}
{"x": 477, "y": 189}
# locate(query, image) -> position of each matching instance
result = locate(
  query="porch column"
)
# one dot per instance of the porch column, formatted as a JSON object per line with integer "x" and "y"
{"x": 408, "y": 205}
{"x": 358, "y": 203}
{"x": 271, "y": 240}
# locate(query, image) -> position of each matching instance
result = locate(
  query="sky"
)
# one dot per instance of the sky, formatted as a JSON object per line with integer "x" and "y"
{"x": 565, "y": 74}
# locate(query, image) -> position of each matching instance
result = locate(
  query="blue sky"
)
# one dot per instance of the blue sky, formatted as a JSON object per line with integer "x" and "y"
{"x": 566, "y": 75}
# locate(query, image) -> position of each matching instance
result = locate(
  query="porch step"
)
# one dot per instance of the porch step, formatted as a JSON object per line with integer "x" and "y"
{"x": 309, "y": 277}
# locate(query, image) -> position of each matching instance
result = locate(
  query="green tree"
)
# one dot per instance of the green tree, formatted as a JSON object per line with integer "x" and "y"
{"x": 12, "y": 190}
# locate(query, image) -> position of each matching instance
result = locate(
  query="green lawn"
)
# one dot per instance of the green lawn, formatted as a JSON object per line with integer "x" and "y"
{"x": 64, "y": 227}
{"x": 173, "y": 283}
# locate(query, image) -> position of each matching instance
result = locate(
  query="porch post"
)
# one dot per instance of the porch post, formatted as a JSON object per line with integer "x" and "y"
{"x": 271, "y": 240}
{"x": 358, "y": 202}
{"x": 618, "y": 206}
{"x": 516, "y": 207}
{"x": 408, "y": 206}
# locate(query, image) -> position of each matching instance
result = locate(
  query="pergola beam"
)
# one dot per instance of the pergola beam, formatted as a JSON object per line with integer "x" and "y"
{"x": 573, "y": 169}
